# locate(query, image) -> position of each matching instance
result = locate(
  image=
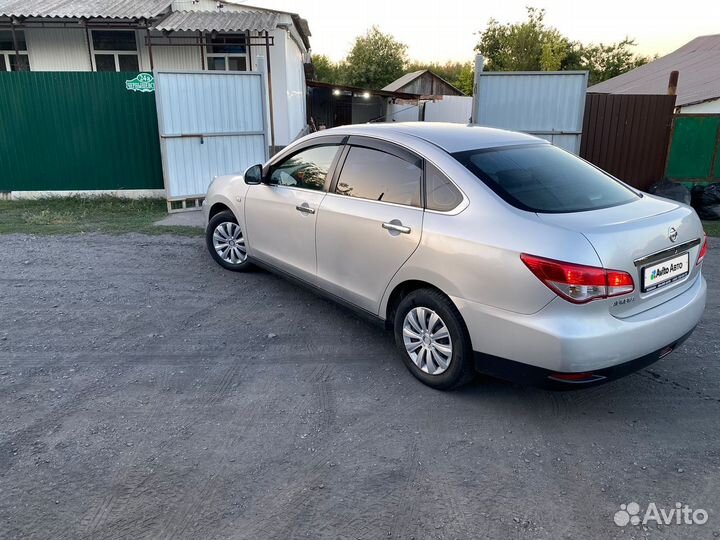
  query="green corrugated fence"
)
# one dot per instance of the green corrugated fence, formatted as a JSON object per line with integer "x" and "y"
{"x": 77, "y": 131}
{"x": 695, "y": 148}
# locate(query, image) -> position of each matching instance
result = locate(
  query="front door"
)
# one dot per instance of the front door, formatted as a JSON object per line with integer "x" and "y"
{"x": 370, "y": 224}
{"x": 280, "y": 215}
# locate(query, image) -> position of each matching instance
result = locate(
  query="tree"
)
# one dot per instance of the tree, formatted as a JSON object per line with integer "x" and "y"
{"x": 534, "y": 46}
{"x": 328, "y": 71}
{"x": 525, "y": 46}
{"x": 608, "y": 61}
{"x": 375, "y": 60}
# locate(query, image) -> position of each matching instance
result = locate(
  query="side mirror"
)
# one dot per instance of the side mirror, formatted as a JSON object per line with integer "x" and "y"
{"x": 253, "y": 175}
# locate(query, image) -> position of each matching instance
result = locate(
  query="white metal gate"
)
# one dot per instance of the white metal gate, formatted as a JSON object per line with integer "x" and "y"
{"x": 548, "y": 104}
{"x": 210, "y": 123}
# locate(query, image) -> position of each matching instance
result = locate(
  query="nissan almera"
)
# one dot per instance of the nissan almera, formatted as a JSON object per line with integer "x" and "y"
{"x": 483, "y": 250}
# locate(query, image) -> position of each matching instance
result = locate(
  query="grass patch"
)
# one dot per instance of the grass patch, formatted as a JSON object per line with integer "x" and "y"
{"x": 77, "y": 215}
{"x": 712, "y": 228}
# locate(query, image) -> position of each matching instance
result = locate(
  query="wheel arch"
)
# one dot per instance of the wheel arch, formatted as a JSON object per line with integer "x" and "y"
{"x": 218, "y": 207}
{"x": 401, "y": 290}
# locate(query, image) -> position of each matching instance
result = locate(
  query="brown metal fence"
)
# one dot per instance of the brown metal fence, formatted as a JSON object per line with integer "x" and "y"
{"x": 628, "y": 135}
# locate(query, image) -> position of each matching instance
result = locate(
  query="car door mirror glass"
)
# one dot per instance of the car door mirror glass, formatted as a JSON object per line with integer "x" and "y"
{"x": 253, "y": 175}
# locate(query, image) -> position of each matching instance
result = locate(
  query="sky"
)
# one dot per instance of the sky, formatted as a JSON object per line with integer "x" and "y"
{"x": 447, "y": 29}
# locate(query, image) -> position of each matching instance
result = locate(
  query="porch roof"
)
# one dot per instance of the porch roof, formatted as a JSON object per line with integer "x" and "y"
{"x": 220, "y": 21}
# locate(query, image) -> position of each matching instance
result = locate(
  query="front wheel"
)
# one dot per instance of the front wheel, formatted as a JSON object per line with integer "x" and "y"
{"x": 432, "y": 339}
{"x": 226, "y": 242}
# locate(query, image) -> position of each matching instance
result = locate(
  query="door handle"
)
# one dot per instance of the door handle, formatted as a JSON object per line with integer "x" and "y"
{"x": 397, "y": 227}
{"x": 305, "y": 209}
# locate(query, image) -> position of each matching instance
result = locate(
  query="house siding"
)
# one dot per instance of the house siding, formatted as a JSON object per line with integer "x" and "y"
{"x": 57, "y": 49}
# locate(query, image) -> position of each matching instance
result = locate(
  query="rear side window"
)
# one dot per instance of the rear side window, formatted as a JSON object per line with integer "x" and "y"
{"x": 379, "y": 176}
{"x": 441, "y": 193}
{"x": 543, "y": 178}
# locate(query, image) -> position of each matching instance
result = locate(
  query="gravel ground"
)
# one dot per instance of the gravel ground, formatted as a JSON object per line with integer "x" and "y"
{"x": 147, "y": 393}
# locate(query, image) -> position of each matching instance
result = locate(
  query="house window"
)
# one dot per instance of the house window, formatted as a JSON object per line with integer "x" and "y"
{"x": 9, "y": 61}
{"x": 115, "y": 50}
{"x": 227, "y": 52}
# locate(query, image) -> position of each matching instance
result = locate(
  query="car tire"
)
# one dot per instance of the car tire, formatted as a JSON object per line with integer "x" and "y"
{"x": 223, "y": 230}
{"x": 456, "y": 349}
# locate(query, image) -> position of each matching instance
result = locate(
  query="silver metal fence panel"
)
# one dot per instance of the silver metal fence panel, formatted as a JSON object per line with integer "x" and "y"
{"x": 543, "y": 103}
{"x": 210, "y": 123}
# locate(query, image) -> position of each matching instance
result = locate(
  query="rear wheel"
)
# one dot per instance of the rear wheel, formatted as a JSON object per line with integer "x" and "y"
{"x": 226, "y": 242}
{"x": 432, "y": 339}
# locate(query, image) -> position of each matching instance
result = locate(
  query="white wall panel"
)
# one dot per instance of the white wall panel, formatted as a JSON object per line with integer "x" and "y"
{"x": 296, "y": 95}
{"x": 456, "y": 109}
{"x": 57, "y": 49}
{"x": 171, "y": 58}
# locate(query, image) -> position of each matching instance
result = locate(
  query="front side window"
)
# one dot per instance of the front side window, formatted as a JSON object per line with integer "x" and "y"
{"x": 227, "y": 52}
{"x": 307, "y": 169}
{"x": 9, "y": 61}
{"x": 115, "y": 50}
{"x": 379, "y": 176}
{"x": 542, "y": 178}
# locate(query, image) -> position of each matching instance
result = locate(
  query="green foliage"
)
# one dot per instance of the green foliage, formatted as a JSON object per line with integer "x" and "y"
{"x": 608, "y": 61}
{"x": 79, "y": 215}
{"x": 534, "y": 46}
{"x": 375, "y": 60}
{"x": 327, "y": 70}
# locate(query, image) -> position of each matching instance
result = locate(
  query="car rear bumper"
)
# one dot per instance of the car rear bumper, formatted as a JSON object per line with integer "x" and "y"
{"x": 561, "y": 338}
{"x": 517, "y": 372}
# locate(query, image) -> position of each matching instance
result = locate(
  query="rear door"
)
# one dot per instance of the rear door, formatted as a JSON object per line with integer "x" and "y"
{"x": 370, "y": 222}
{"x": 280, "y": 215}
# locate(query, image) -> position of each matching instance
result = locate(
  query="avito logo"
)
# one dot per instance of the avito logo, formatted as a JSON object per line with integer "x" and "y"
{"x": 658, "y": 272}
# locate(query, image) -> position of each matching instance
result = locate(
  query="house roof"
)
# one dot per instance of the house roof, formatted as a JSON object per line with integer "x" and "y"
{"x": 222, "y": 21}
{"x": 106, "y": 9}
{"x": 698, "y": 63}
{"x": 246, "y": 18}
{"x": 406, "y": 79}
{"x": 402, "y": 81}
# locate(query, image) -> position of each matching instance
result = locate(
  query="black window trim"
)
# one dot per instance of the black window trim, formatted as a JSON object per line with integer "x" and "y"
{"x": 314, "y": 143}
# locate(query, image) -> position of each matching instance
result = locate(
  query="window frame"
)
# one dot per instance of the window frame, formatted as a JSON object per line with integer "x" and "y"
{"x": 115, "y": 53}
{"x": 246, "y": 55}
{"x": 329, "y": 141}
{"x": 7, "y": 54}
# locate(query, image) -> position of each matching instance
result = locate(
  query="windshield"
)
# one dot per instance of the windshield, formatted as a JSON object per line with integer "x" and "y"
{"x": 543, "y": 178}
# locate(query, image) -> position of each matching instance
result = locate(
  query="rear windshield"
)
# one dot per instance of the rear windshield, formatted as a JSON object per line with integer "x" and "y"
{"x": 543, "y": 178}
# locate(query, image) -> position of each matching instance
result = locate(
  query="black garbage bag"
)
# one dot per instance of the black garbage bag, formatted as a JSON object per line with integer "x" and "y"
{"x": 671, "y": 190}
{"x": 706, "y": 201}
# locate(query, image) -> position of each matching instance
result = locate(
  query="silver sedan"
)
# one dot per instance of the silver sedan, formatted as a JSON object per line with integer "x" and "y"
{"x": 483, "y": 250}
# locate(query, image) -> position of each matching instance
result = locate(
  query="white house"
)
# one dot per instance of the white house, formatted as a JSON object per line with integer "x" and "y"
{"x": 147, "y": 35}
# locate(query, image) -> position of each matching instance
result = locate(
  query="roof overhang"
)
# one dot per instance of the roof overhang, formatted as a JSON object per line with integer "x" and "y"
{"x": 84, "y": 9}
{"x": 219, "y": 21}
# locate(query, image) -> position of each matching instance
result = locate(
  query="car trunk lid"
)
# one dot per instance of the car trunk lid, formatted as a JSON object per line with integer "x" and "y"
{"x": 635, "y": 237}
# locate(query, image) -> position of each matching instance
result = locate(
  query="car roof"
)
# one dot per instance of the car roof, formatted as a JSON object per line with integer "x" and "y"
{"x": 450, "y": 137}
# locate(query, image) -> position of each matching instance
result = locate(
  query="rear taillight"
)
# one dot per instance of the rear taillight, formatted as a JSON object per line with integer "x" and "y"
{"x": 578, "y": 283}
{"x": 703, "y": 251}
